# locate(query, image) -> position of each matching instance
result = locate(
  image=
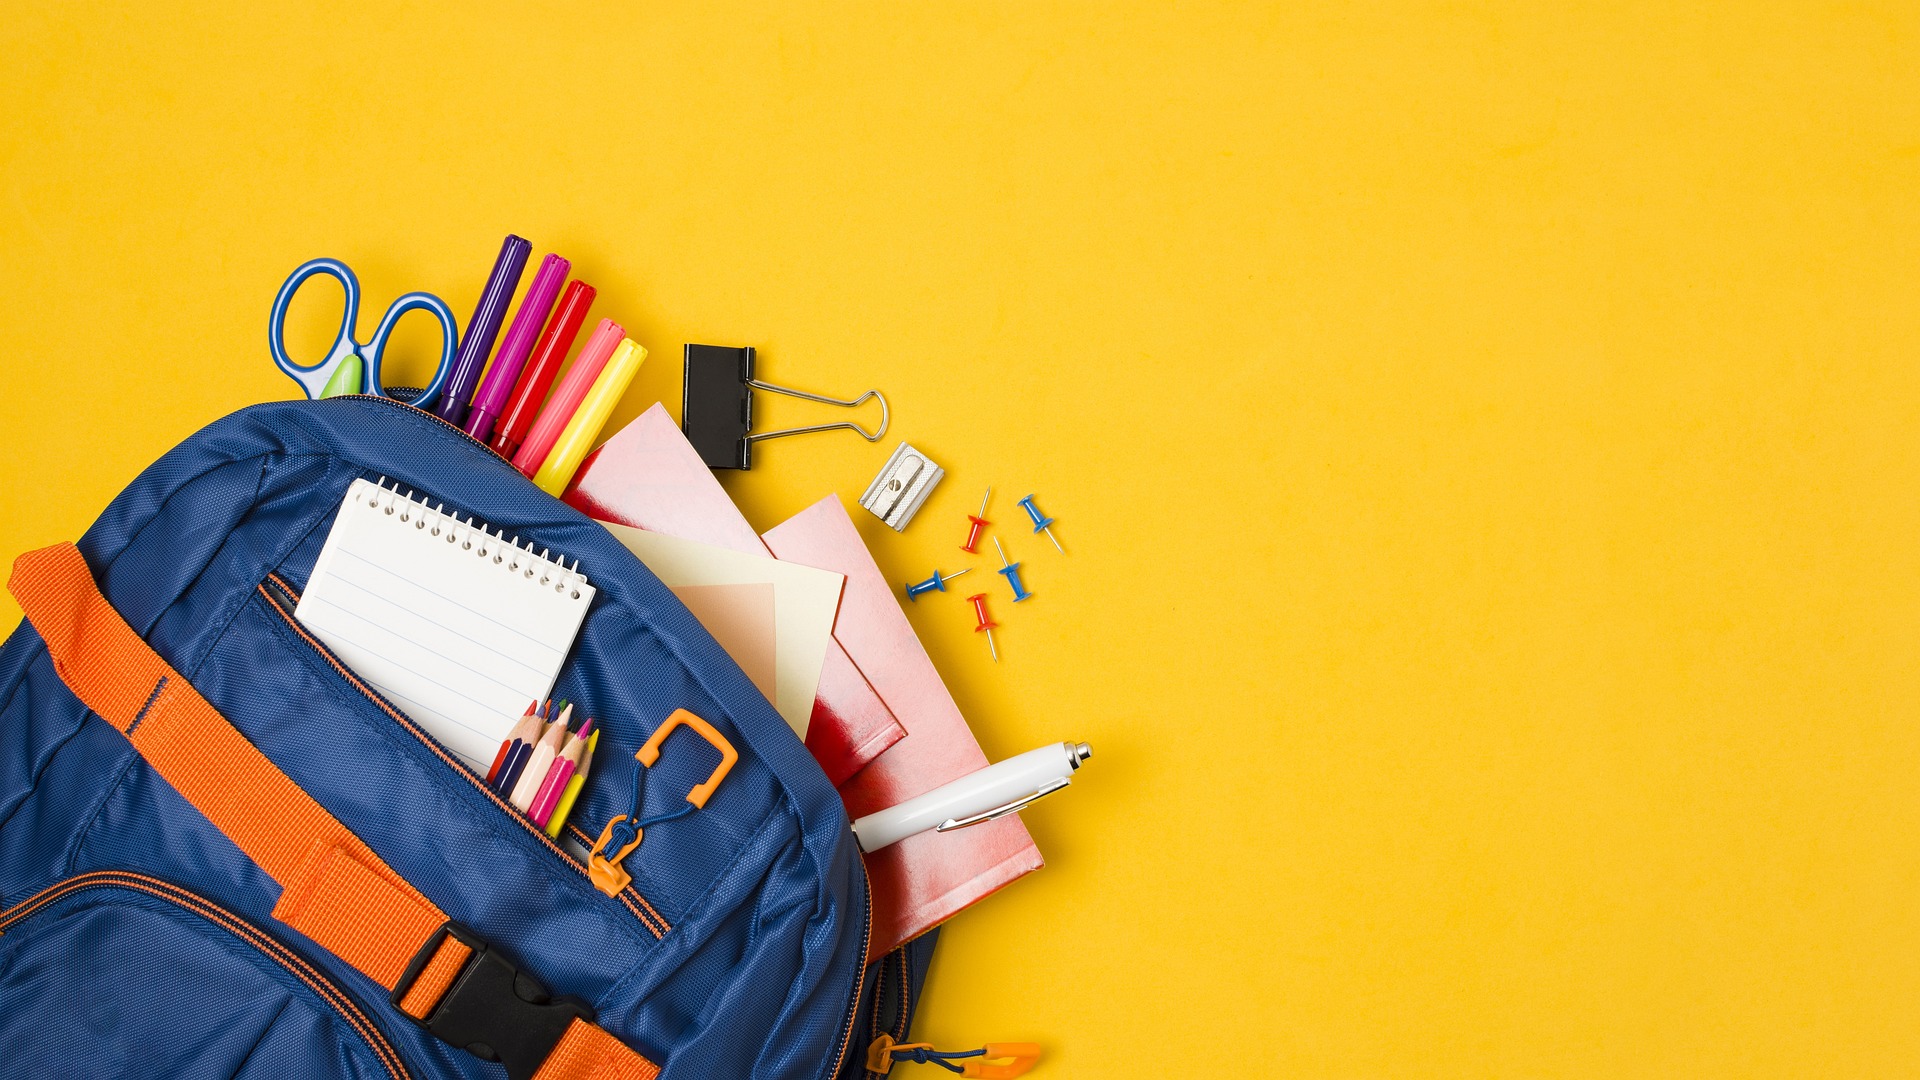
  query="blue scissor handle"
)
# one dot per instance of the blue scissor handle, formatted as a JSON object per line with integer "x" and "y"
{"x": 376, "y": 350}
{"x": 313, "y": 378}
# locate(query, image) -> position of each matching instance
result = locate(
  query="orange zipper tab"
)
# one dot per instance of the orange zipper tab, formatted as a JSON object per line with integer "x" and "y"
{"x": 994, "y": 1061}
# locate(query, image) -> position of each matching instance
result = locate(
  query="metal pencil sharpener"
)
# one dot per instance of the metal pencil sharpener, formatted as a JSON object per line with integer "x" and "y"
{"x": 902, "y": 487}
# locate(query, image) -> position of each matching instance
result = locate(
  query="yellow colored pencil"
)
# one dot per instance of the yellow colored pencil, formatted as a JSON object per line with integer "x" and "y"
{"x": 565, "y": 806}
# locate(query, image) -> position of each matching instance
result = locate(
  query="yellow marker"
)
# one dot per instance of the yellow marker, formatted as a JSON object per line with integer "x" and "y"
{"x": 564, "y": 807}
{"x": 589, "y": 418}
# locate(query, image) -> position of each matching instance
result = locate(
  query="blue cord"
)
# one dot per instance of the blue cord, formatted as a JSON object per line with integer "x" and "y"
{"x": 631, "y": 823}
{"x": 624, "y": 832}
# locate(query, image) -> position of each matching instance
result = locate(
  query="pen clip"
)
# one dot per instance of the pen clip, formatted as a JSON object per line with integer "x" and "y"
{"x": 1013, "y": 807}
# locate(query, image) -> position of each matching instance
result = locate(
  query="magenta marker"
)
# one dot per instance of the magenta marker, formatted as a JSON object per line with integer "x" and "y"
{"x": 457, "y": 395}
{"x": 497, "y": 388}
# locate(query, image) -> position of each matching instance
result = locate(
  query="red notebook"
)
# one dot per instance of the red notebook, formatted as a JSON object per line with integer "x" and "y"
{"x": 923, "y": 880}
{"x": 648, "y": 476}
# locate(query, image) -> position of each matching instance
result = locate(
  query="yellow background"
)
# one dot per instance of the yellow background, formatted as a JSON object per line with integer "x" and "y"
{"x": 1486, "y": 443}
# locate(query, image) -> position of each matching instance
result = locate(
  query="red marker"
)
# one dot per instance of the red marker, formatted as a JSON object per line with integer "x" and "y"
{"x": 537, "y": 377}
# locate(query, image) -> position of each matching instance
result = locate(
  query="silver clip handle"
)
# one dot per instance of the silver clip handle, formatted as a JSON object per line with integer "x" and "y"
{"x": 870, "y": 436}
{"x": 1013, "y": 807}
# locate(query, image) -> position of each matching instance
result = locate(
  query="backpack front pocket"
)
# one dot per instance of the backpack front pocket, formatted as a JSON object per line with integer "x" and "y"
{"x": 281, "y": 600}
{"x": 120, "y": 974}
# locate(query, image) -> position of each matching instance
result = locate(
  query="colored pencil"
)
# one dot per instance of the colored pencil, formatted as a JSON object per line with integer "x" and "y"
{"x": 564, "y": 766}
{"x": 538, "y": 762}
{"x": 527, "y": 725}
{"x": 558, "y": 819}
{"x": 517, "y": 757}
{"x": 517, "y": 762}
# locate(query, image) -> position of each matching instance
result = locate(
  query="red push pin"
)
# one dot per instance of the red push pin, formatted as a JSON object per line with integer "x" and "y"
{"x": 979, "y": 601}
{"x": 973, "y": 531}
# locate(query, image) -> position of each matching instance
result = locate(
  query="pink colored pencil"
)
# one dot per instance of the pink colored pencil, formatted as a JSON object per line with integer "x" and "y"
{"x": 560, "y": 408}
{"x": 564, "y": 766}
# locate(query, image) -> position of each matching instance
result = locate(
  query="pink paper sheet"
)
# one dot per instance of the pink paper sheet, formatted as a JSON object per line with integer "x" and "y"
{"x": 923, "y": 880}
{"x": 648, "y": 476}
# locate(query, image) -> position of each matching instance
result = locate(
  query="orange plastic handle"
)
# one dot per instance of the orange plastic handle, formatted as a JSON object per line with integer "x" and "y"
{"x": 1016, "y": 1059}
{"x": 650, "y": 753}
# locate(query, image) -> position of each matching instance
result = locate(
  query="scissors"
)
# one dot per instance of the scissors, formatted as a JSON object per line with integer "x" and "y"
{"x": 351, "y": 367}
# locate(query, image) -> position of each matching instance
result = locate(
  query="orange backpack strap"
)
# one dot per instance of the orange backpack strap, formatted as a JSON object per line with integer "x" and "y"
{"x": 334, "y": 889}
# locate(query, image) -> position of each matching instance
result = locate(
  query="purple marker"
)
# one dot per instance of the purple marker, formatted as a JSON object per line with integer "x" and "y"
{"x": 482, "y": 329}
{"x": 497, "y": 387}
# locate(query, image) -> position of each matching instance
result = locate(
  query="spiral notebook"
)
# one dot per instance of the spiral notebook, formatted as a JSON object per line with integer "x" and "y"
{"x": 457, "y": 625}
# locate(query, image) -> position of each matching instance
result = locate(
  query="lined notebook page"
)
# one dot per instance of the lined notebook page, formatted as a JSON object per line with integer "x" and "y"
{"x": 457, "y": 626}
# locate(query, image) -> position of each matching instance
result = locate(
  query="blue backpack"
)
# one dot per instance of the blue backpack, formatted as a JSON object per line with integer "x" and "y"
{"x": 222, "y": 855}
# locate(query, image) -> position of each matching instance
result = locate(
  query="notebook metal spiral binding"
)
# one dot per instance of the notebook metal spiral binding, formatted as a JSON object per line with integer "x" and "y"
{"x": 473, "y": 536}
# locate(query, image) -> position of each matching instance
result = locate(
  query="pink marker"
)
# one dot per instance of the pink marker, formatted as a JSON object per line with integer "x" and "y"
{"x": 497, "y": 387}
{"x": 560, "y": 407}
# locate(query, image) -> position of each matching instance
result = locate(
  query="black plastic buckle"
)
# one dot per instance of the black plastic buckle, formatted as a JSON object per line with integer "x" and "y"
{"x": 493, "y": 1010}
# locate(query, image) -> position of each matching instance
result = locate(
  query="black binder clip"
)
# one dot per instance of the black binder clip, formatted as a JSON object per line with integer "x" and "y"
{"x": 716, "y": 411}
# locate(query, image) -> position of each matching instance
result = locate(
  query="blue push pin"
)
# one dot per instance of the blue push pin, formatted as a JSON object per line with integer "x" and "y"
{"x": 1040, "y": 522}
{"x": 936, "y": 583}
{"x": 1010, "y": 571}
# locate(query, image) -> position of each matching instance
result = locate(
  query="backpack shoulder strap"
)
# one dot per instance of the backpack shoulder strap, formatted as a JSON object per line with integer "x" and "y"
{"x": 334, "y": 889}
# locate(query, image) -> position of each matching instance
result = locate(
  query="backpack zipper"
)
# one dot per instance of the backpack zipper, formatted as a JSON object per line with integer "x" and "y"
{"x": 423, "y": 412}
{"x": 859, "y": 971}
{"x": 321, "y": 985}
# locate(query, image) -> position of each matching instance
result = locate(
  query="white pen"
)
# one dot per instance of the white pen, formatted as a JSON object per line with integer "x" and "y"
{"x": 995, "y": 791}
